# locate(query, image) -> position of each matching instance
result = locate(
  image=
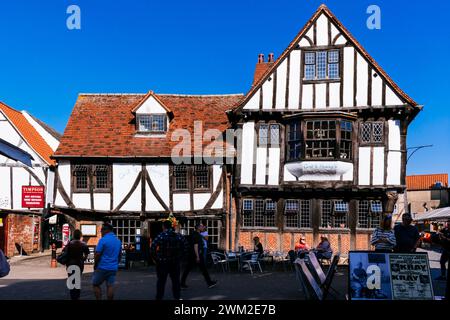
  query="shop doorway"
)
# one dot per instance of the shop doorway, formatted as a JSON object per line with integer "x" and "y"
{"x": 3, "y": 232}
{"x": 155, "y": 228}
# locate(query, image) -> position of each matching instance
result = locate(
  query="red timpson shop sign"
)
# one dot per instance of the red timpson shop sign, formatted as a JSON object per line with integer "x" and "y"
{"x": 33, "y": 197}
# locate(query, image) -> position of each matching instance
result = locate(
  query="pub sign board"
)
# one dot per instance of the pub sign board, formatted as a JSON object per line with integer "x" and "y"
{"x": 389, "y": 276}
{"x": 33, "y": 197}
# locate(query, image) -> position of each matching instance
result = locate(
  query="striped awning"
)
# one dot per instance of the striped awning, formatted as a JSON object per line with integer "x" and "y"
{"x": 434, "y": 215}
{"x": 15, "y": 153}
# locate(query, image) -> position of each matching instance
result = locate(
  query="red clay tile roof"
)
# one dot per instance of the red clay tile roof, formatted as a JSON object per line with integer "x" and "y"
{"x": 28, "y": 133}
{"x": 325, "y": 10}
{"x": 103, "y": 125}
{"x": 426, "y": 181}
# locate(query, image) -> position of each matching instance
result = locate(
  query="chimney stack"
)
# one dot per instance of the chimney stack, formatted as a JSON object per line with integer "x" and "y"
{"x": 271, "y": 60}
{"x": 260, "y": 58}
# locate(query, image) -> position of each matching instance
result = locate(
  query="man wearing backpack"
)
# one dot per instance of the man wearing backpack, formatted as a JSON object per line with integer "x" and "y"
{"x": 168, "y": 249}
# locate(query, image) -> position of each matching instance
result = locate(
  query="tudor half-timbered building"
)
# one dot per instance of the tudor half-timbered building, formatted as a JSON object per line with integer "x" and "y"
{"x": 323, "y": 147}
{"x": 116, "y": 163}
{"x": 26, "y": 144}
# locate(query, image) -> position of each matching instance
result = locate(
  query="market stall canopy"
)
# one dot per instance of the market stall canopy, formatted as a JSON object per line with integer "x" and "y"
{"x": 11, "y": 151}
{"x": 435, "y": 215}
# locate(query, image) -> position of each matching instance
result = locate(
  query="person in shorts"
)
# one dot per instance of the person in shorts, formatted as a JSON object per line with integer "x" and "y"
{"x": 107, "y": 257}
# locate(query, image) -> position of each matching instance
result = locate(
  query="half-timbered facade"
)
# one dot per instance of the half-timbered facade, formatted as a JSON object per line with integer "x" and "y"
{"x": 26, "y": 145}
{"x": 323, "y": 148}
{"x": 117, "y": 161}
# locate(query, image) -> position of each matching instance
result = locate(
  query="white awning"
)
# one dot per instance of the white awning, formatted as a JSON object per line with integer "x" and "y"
{"x": 434, "y": 215}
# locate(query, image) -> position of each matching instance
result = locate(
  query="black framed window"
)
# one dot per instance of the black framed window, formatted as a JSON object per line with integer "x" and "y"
{"x": 346, "y": 140}
{"x": 258, "y": 213}
{"x": 101, "y": 177}
{"x": 156, "y": 123}
{"x": 321, "y": 65}
{"x": 294, "y": 141}
{"x": 201, "y": 177}
{"x": 126, "y": 230}
{"x": 320, "y": 139}
{"x": 269, "y": 135}
{"x": 372, "y": 132}
{"x": 334, "y": 214}
{"x": 81, "y": 178}
{"x": 297, "y": 213}
{"x": 180, "y": 176}
{"x": 369, "y": 214}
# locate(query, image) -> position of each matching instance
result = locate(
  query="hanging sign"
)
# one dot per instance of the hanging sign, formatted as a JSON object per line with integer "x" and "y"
{"x": 33, "y": 197}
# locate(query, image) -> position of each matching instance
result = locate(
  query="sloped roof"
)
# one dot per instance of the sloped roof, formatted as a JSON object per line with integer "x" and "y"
{"x": 426, "y": 181}
{"x": 28, "y": 133}
{"x": 103, "y": 125}
{"x": 325, "y": 10}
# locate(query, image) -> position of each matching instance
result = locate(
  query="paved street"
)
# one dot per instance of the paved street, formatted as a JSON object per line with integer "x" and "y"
{"x": 32, "y": 279}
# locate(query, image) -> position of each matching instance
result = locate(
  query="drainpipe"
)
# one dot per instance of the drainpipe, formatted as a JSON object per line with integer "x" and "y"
{"x": 230, "y": 225}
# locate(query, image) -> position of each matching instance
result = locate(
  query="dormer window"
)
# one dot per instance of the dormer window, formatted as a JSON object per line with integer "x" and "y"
{"x": 321, "y": 65}
{"x": 152, "y": 123}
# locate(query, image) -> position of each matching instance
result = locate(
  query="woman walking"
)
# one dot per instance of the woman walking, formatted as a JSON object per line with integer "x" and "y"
{"x": 383, "y": 237}
{"x": 77, "y": 252}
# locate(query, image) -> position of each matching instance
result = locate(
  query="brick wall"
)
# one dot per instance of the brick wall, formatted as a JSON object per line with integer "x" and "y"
{"x": 20, "y": 232}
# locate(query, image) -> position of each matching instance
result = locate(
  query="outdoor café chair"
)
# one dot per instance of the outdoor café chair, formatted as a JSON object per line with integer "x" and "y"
{"x": 220, "y": 259}
{"x": 311, "y": 288}
{"x": 253, "y": 261}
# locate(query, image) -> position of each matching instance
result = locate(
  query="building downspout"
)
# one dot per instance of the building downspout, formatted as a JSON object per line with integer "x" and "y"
{"x": 230, "y": 215}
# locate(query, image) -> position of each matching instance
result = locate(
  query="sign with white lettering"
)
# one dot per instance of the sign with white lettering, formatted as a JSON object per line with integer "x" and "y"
{"x": 33, "y": 197}
{"x": 389, "y": 276}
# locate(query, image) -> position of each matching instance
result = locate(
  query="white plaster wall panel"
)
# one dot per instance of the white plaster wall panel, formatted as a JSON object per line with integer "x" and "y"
{"x": 51, "y": 141}
{"x": 377, "y": 90}
{"x": 248, "y": 136}
{"x": 321, "y": 96}
{"x": 218, "y": 204}
{"x": 267, "y": 90}
{"x": 348, "y": 176}
{"x": 102, "y": 201}
{"x": 281, "y": 85}
{"x": 322, "y": 30}
{"x": 378, "y": 166}
{"x": 334, "y": 31}
{"x": 40, "y": 174}
{"x": 349, "y": 55}
{"x": 307, "y": 96}
{"x": 261, "y": 159}
{"x": 5, "y": 188}
{"x": 151, "y": 203}
{"x": 124, "y": 176}
{"x": 287, "y": 176}
{"x": 341, "y": 40}
{"x": 200, "y": 200}
{"x": 159, "y": 174}
{"x": 181, "y": 202}
{"x": 20, "y": 178}
{"x": 81, "y": 200}
{"x": 8, "y": 133}
{"x": 394, "y": 134}
{"x": 151, "y": 105}
{"x": 394, "y": 168}
{"x": 65, "y": 175}
{"x": 49, "y": 189}
{"x": 2, "y": 116}
{"x": 59, "y": 201}
{"x": 294, "y": 79}
{"x": 335, "y": 95}
{"x": 217, "y": 173}
{"x": 362, "y": 81}
{"x": 310, "y": 33}
{"x": 304, "y": 43}
{"x": 274, "y": 166}
{"x": 364, "y": 166}
{"x": 253, "y": 103}
{"x": 391, "y": 98}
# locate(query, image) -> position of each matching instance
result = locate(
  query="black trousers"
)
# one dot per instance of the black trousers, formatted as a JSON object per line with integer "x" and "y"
{"x": 164, "y": 269}
{"x": 191, "y": 263}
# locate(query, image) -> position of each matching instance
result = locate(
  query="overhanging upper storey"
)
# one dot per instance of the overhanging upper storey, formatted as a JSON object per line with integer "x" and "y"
{"x": 325, "y": 68}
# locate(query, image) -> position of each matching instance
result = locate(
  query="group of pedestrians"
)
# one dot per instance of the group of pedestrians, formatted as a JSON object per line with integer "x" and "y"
{"x": 168, "y": 250}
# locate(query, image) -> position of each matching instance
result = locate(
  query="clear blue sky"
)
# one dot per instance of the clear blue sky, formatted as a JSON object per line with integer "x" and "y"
{"x": 201, "y": 46}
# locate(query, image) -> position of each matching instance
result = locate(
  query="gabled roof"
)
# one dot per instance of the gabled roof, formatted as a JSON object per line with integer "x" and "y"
{"x": 28, "y": 133}
{"x": 146, "y": 97}
{"x": 323, "y": 9}
{"x": 103, "y": 125}
{"x": 426, "y": 181}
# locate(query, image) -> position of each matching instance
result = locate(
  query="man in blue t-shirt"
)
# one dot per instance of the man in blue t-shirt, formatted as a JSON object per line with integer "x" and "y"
{"x": 107, "y": 257}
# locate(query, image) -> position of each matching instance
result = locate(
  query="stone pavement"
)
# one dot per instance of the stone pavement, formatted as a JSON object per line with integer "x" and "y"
{"x": 33, "y": 279}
